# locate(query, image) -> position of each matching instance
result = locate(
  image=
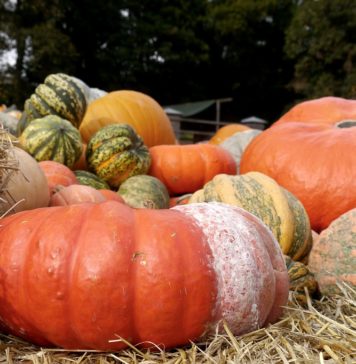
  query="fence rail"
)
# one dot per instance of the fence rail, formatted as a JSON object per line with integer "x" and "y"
{"x": 189, "y": 130}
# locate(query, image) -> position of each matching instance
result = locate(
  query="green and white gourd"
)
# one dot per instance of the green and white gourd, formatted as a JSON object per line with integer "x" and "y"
{"x": 144, "y": 191}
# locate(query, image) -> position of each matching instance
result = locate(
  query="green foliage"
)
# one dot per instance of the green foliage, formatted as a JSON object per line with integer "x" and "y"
{"x": 321, "y": 40}
{"x": 264, "y": 54}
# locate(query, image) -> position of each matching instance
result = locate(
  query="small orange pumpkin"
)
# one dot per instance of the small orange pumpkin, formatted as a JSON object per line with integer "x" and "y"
{"x": 57, "y": 174}
{"x": 226, "y": 131}
{"x": 186, "y": 168}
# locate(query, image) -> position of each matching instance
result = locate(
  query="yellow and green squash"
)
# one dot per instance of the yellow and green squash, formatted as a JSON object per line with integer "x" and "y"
{"x": 116, "y": 152}
{"x": 59, "y": 95}
{"x": 52, "y": 138}
{"x": 264, "y": 198}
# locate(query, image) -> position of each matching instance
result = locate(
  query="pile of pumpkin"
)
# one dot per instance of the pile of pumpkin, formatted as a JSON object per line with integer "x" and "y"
{"x": 115, "y": 230}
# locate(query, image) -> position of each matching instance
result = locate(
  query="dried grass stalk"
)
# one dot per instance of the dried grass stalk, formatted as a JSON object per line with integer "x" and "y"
{"x": 322, "y": 332}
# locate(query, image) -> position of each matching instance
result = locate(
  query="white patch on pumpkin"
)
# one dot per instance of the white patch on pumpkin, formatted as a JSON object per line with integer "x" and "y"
{"x": 245, "y": 274}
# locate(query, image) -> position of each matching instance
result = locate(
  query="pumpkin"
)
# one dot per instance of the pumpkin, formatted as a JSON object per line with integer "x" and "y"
{"x": 139, "y": 110}
{"x": 325, "y": 110}
{"x": 52, "y": 138}
{"x": 81, "y": 163}
{"x": 332, "y": 258}
{"x": 59, "y": 95}
{"x": 179, "y": 200}
{"x": 111, "y": 195}
{"x": 226, "y": 131}
{"x": 300, "y": 278}
{"x": 264, "y": 198}
{"x": 164, "y": 277}
{"x": 90, "y": 179}
{"x": 57, "y": 174}
{"x": 315, "y": 162}
{"x": 24, "y": 185}
{"x": 144, "y": 191}
{"x": 116, "y": 153}
{"x": 186, "y": 168}
{"x": 237, "y": 143}
{"x": 75, "y": 194}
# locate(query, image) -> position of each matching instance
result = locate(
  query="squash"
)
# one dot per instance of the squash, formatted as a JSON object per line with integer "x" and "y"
{"x": 52, "y": 138}
{"x": 264, "y": 198}
{"x": 300, "y": 278}
{"x": 326, "y": 110}
{"x": 237, "y": 143}
{"x": 163, "y": 277}
{"x": 186, "y": 168}
{"x": 59, "y": 95}
{"x": 116, "y": 153}
{"x": 9, "y": 122}
{"x": 23, "y": 183}
{"x": 144, "y": 191}
{"x": 227, "y": 131}
{"x": 139, "y": 110}
{"x": 332, "y": 258}
{"x": 57, "y": 174}
{"x": 315, "y": 162}
{"x": 90, "y": 179}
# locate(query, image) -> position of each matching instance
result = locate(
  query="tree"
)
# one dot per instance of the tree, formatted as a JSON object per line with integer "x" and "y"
{"x": 247, "y": 54}
{"x": 31, "y": 28}
{"x": 321, "y": 40}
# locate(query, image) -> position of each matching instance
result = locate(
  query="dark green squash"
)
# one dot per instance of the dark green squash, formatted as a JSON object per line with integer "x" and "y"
{"x": 90, "y": 179}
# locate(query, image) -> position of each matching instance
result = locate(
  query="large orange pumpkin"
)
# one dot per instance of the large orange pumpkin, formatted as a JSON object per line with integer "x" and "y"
{"x": 226, "y": 131}
{"x": 139, "y": 110}
{"x": 186, "y": 168}
{"x": 325, "y": 110}
{"x": 316, "y": 162}
{"x": 106, "y": 271}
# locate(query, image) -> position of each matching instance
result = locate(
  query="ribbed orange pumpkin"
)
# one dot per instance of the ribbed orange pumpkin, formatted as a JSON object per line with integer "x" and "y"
{"x": 83, "y": 276}
{"x": 226, "y": 131}
{"x": 316, "y": 162}
{"x": 186, "y": 168}
{"x": 325, "y": 110}
{"x": 139, "y": 110}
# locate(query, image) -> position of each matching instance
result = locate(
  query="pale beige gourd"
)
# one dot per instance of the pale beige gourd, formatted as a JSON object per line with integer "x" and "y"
{"x": 25, "y": 187}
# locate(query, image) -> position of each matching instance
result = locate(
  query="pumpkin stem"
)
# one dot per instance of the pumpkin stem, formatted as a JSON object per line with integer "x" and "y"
{"x": 346, "y": 124}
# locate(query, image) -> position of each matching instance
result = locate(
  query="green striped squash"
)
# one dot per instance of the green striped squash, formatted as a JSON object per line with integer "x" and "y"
{"x": 52, "y": 138}
{"x": 264, "y": 198}
{"x": 300, "y": 277}
{"x": 116, "y": 152}
{"x": 144, "y": 191}
{"x": 90, "y": 179}
{"x": 59, "y": 95}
